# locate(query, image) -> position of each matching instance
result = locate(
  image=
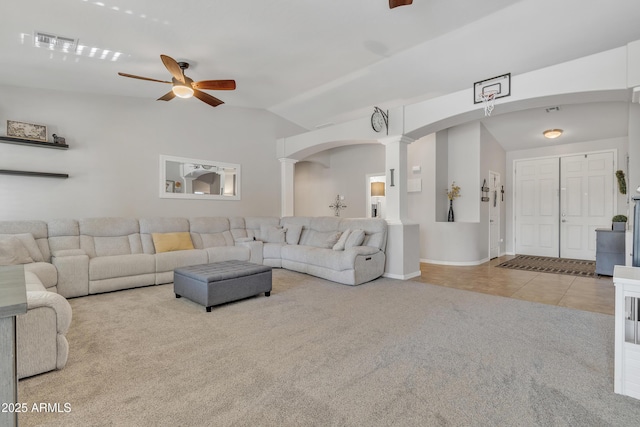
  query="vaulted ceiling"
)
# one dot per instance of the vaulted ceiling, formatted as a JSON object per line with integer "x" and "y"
{"x": 311, "y": 62}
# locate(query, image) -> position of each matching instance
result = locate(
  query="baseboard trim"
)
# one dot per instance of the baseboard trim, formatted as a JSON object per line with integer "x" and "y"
{"x": 454, "y": 263}
{"x": 402, "y": 276}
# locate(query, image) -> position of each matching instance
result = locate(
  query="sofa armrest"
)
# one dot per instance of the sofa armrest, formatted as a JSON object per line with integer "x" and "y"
{"x": 256, "y": 248}
{"x": 363, "y": 250}
{"x": 58, "y": 303}
{"x": 73, "y": 272}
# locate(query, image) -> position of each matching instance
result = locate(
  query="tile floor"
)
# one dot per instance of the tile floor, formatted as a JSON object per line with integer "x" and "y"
{"x": 582, "y": 293}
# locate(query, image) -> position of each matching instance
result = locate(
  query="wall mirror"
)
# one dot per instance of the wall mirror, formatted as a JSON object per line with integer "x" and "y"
{"x": 184, "y": 178}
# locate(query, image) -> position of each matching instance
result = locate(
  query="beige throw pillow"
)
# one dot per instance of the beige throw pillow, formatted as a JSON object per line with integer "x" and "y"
{"x": 168, "y": 242}
{"x": 13, "y": 252}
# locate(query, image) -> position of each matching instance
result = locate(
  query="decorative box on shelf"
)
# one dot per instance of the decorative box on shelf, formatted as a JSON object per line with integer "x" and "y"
{"x": 627, "y": 331}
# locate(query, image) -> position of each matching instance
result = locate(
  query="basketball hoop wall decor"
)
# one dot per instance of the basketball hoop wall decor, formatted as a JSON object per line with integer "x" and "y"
{"x": 487, "y": 91}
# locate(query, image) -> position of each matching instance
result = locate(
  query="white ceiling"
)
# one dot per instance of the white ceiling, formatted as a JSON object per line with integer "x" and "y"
{"x": 315, "y": 62}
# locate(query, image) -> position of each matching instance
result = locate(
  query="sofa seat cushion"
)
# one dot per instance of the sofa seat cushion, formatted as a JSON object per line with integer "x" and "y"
{"x": 228, "y": 253}
{"x": 46, "y": 272}
{"x": 108, "y": 267}
{"x": 169, "y": 261}
{"x": 328, "y": 258}
{"x": 272, "y": 250}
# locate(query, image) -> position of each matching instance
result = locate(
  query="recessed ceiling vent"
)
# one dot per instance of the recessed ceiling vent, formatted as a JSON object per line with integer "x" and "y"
{"x": 55, "y": 42}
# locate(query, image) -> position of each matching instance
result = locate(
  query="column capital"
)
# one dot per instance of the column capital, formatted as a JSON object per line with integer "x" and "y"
{"x": 288, "y": 160}
{"x": 396, "y": 138}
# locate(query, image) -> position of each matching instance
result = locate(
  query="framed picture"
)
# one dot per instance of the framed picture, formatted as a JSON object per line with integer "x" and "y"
{"x": 170, "y": 186}
{"x": 26, "y": 131}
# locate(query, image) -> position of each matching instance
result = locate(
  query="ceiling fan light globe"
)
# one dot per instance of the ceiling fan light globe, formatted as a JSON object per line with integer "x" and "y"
{"x": 182, "y": 91}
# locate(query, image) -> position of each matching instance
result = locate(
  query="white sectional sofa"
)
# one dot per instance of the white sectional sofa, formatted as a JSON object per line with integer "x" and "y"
{"x": 72, "y": 258}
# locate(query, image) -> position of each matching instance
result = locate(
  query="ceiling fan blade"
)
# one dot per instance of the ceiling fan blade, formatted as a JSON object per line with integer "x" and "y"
{"x": 142, "y": 78}
{"x": 396, "y": 3}
{"x": 215, "y": 84}
{"x": 205, "y": 97}
{"x": 173, "y": 67}
{"x": 167, "y": 96}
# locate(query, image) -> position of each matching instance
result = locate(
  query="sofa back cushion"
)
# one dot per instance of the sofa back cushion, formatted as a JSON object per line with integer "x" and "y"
{"x": 63, "y": 234}
{"x": 254, "y": 225}
{"x": 37, "y": 230}
{"x": 272, "y": 234}
{"x": 149, "y": 226}
{"x": 320, "y": 232}
{"x": 210, "y": 232}
{"x": 375, "y": 230}
{"x": 110, "y": 236}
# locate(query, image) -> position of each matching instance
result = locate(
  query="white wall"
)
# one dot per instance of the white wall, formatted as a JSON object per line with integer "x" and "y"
{"x": 113, "y": 159}
{"x": 343, "y": 171}
{"x": 465, "y": 241}
{"x": 464, "y": 169}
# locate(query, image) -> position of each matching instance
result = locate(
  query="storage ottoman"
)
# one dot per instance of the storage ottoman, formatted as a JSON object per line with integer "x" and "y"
{"x": 220, "y": 282}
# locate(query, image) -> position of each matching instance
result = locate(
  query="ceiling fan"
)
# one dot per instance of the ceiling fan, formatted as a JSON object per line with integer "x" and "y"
{"x": 396, "y": 3}
{"x": 184, "y": 87}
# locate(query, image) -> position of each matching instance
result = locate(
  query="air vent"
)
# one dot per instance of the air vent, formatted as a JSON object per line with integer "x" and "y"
{"x": 55, "y": 42}
{"x": 552, "y": 109}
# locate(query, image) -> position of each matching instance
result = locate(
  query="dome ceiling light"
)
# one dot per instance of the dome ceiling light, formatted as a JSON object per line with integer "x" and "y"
{"x": 552, "y": 133}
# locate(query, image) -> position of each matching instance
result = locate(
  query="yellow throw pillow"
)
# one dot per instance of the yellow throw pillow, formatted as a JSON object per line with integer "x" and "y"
{"x": 167, "y": 242}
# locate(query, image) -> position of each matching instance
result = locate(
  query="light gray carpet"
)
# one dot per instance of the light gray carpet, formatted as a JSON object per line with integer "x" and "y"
{"x": 387, "y": 353}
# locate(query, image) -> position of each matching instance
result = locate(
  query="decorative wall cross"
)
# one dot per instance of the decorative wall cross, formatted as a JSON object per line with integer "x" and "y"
{"x": 337, "y": 205}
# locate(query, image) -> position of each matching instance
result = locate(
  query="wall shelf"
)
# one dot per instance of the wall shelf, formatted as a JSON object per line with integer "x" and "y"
{"x": 32, "y": 143}
{"x": 28, "y": 173}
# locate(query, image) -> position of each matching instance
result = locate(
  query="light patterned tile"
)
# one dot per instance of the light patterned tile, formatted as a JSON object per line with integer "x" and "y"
{"x": 582, "y": 293}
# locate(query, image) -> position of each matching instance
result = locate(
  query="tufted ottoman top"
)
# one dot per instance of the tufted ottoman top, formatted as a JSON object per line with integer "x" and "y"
{"x": 223, "y": 270}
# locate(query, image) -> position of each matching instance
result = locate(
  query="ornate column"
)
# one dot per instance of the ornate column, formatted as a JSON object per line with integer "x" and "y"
{"x": 403, "y": 237}
{"x": 287, "y": 174}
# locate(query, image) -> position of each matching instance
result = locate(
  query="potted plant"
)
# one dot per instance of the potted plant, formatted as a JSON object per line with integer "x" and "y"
{"x": 619, "y": 222}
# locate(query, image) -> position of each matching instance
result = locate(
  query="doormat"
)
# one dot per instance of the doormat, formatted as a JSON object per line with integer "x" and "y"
{"x": 574, "y": 267}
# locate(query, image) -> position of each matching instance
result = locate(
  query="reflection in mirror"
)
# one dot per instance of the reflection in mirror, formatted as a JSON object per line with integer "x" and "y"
{"x": 184, "y": 178}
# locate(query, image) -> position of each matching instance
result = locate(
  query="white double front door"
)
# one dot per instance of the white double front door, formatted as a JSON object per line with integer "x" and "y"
{"x": 559, "y": 203}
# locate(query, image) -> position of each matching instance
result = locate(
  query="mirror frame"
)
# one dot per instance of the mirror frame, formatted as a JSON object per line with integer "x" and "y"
{"x": 163, "y": 179}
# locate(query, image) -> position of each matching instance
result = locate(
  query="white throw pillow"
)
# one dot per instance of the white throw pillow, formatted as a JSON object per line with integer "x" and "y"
{"x": 29, "y": 244}
{"x": 355, "y": 239}
{"x": 13, "y": 252}
{"x": 272, "y": 234}
{"x": 339, "y": 246}
{"x": 332, "y": 239}
{"x": 293, "y": 234}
